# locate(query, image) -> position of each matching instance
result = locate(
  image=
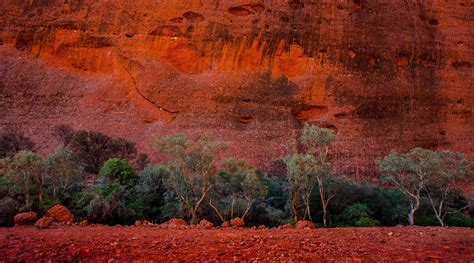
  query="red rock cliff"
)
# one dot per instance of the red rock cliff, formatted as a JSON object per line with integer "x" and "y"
{"x": 383, "y": 74}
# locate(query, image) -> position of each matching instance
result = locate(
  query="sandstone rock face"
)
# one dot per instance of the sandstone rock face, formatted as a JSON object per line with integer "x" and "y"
{"x": 44, "y": 222}
{"x": 237, "y": 222}
{"x": 383, "y": 74}
{"x": 60, "y": 214}
{"x": 305, "y": 224}
{"x": 25, "y": 219}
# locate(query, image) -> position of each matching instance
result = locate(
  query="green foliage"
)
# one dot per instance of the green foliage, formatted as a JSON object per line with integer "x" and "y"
{"x": 64, "y": 173}
{"x": 12, "y": 142}
{"x": 436, "y": 174}
{"x": 316, "y": 139}
{"x": 80, "y": 203}
{"x": 192, "y": 168}
{"x": 120, "y": 171}
{"x": 150, "y": 190}
{"x": 237, "y": 188}
{"x": 116, "y": 198}
{"x": 367, "y": 222}
{"x": 459, "y": 219}
{"x": 426, "y": 220}
{"x": 358, "y": 215}
{"x": 28, "y": 171}
{"x": 308, "y": 165}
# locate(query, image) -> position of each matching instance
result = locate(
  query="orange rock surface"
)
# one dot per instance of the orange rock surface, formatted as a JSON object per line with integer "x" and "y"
{"x": 383, "y": 74}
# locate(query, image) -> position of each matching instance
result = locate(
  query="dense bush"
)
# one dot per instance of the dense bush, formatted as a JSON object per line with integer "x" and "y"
{"x": 150, "y": 193}
{"x": 94, "y": 148}
{"x": 12, "y": 142}
{"x": 193, "y": 185}
{"x": 8, "y": 209}
{"x": 357, "y": 215}
{"x": 459, "y": 219}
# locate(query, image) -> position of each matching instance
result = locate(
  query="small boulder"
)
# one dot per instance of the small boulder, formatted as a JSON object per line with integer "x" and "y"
{"x": 138, "y": 223}
{"x": 287, "y": 226}
{"x": 177, "y": 222}
{"x": 60, "y": 214}
{"x": 225, "y": 224}
{"x": 262, "y": 227}
{"x": 147, "y": 223}
{"x": 44, "y": 222}
{"x": 305, "y": 224}
{"x": 84, "y": 223}
{"x": 237, "y": 222}
{"x": 206, "y": 224}
{"x": 25, "y": 219}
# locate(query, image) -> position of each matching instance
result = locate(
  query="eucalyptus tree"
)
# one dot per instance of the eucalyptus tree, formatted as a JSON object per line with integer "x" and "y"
{"x": 193, "y": 168}
{"x": 309, "y": 166}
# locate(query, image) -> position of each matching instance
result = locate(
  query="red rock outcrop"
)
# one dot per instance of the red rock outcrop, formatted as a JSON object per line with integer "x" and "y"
{"x": 305, "y": 224}
{"x": 44, "y": 222}
{"x": 25, "y": 219}
{"x": 206, "y": 224}
{"x": 60, "y": 214}
{"x": 237, "y": 222}
{"x": 384, "y": 75}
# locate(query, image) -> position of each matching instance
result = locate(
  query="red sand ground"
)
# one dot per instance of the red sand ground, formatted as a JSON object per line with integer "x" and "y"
{"x": 102, "y": 243}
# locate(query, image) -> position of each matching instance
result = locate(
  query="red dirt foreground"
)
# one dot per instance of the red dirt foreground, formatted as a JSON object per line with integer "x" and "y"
{"x": 124, "y": 243}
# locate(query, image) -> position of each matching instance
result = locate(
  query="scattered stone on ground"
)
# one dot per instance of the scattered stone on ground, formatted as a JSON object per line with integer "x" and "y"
{"x": 98, "y": 243}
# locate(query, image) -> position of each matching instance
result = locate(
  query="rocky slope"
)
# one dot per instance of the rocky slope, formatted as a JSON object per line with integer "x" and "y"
{"x": 383, "y": 74}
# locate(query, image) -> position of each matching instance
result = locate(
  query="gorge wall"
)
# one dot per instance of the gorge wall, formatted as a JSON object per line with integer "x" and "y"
{"x": 383, "y": 74}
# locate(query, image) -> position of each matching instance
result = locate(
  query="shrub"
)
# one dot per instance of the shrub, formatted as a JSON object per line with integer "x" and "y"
{"x": 367, "y": 222}
{"x": 357, "y": 215}
{"x": 8, "y": 209}
{"x": 94, "y": 148}
{"x": 426, "y": 220}
{"x": 150, "y": 190}
{"x": 12, "y": 142}
{"x": 459, "y": 219}
{"x": 119, "y": 170}
{"x": 98, "y": 210}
